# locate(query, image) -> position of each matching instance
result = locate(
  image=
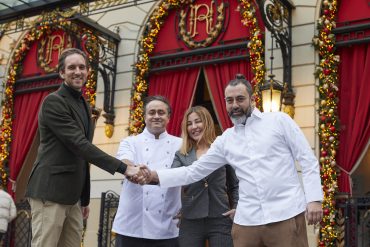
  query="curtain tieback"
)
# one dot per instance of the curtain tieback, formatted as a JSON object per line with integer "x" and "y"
{"x": 342, "y": 169}
{"x": 14, "y": 184}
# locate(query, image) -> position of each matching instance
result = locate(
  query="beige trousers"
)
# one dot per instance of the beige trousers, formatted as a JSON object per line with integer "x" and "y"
{"x": 55, "y": 225}
{"x": 288, "y": 233}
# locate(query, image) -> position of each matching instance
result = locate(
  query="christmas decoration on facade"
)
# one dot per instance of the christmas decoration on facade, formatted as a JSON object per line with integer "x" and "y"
{"x": 327, "y": 73}
{"x": 147, "y": 43}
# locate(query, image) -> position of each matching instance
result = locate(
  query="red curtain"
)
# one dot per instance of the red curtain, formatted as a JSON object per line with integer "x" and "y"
{"x": 26, "y": 107}
{"x": 217, "y": 76}
{"x": 178, "y": 87}
{"x": 354, "y": 109}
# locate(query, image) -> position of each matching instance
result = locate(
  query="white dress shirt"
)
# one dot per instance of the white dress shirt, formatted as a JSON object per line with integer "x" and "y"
{"x": 263, "y": 154}
{"x": 147, "y": 211}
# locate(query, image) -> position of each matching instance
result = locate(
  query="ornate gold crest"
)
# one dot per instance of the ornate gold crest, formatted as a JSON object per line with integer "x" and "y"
{"x": 50, "y": 47}
{"x": 204, "y": 20}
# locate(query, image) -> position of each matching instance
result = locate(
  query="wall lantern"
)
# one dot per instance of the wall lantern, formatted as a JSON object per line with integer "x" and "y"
{"x": 277, "y": 16}
{"x": 276, "y": 95}
{"x": 272, "y": 92}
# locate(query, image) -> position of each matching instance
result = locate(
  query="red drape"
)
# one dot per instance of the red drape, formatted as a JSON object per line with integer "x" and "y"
{"x": 178, "y": 87}
{"x": 353, "y": 10}
{"x": 218, "y": 75}
{"x": 26, "y": 107}
{"x": 354, "y": 108}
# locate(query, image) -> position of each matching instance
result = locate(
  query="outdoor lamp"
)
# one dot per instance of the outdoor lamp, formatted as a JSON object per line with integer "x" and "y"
{"x": 272, "y": 92}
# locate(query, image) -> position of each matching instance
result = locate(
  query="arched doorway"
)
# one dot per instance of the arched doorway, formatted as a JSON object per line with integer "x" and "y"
{"x": 202, "y": 42}
{"x": 231, "y": 31}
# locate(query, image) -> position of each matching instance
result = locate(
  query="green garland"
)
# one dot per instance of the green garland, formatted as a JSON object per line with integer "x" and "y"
{"x": 327, "y": 73}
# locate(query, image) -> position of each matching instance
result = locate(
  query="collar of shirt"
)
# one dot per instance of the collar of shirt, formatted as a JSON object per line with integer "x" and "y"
{"x": 151, "y": 136}
{"x": 255, "y": 114}
{"x": 75, "y": 94}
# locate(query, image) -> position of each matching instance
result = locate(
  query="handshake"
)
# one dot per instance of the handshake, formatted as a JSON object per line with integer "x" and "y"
{"x": 141, "y": 174}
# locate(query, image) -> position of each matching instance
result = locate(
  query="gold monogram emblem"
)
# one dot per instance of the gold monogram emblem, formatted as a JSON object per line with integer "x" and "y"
{"x": 198, "y": 21}
{"x": 50, "y": 48}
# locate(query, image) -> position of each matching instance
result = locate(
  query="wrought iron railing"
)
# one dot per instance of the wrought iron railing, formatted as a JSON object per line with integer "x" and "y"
{"x": 108, "y": 209}
{"x": 19, "y": 231}
{"x": 353, "y": 221}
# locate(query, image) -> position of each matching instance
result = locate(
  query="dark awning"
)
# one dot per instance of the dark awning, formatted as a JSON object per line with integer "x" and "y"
{"x": 13, "y": 9}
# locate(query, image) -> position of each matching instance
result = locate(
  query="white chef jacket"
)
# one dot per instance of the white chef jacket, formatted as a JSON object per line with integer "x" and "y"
{"x": 147, "y": 211}
{"x": 263, "y": 154}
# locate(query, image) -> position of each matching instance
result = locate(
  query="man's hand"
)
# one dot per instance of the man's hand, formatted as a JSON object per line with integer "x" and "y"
{"x": 314, "y": 213}
{"x": 85, "y": 212}
{"x": 138, "y": 174}
{"x": 230, "y": 213}
{"x": 178, "y": 217}
{"x": 149, "y": 177}
{"x": 131, "y": 171}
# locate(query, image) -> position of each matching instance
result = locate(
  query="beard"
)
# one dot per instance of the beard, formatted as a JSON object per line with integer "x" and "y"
{"x": 242, "y": 119}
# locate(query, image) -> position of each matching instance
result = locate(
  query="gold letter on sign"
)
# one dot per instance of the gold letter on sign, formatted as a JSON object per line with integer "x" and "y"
{"x": 53, "y": 46}
{"x": 194, "y": 18}
{"x": 193, "y": 15}
{"x": 50, "y": 45}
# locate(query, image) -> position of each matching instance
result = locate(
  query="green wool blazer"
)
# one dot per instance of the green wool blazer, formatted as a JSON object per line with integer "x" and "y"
{"x": 61, "y": 172}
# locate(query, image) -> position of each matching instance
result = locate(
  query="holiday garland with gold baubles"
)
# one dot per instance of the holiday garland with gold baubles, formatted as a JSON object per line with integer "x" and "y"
{"x": 256, "y": 48}
{"x": 147, "y": 43}
{"x": 15, "y": 69}
{"x": 327, "y": 73}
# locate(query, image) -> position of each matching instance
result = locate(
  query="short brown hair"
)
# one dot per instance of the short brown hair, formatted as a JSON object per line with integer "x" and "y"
{"x": 67, "y": 52}
{"x": 209, "y": 134}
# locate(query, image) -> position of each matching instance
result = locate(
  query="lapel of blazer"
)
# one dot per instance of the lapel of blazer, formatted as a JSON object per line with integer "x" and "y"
{"x": 90, "y": 131}
{"x": 191, "y": 157}
{"x": 71, "y": 101}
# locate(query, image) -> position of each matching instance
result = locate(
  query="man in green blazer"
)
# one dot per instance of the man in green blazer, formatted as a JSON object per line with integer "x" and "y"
{"x": 59, "y": 184}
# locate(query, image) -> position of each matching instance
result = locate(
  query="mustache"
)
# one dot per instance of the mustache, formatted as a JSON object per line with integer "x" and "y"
{"x": 233, "y": 111}
{"x": 247, "y": 112}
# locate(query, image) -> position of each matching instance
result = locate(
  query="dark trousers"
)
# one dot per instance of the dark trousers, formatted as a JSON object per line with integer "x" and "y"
{"x": 125, "y": 241}
{"x": 194, "y": 233}
{"x": 1, "y": 235}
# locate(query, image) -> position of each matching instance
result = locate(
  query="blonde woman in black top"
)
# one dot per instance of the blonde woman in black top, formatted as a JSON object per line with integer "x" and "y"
{"x": 208, "y": 205}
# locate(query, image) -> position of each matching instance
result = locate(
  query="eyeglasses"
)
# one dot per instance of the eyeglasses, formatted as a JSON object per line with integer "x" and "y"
{"x": 238, "y": 99}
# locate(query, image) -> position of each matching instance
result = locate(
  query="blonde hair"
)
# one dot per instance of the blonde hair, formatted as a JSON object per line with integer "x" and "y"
{"x": 209, "y": 134}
